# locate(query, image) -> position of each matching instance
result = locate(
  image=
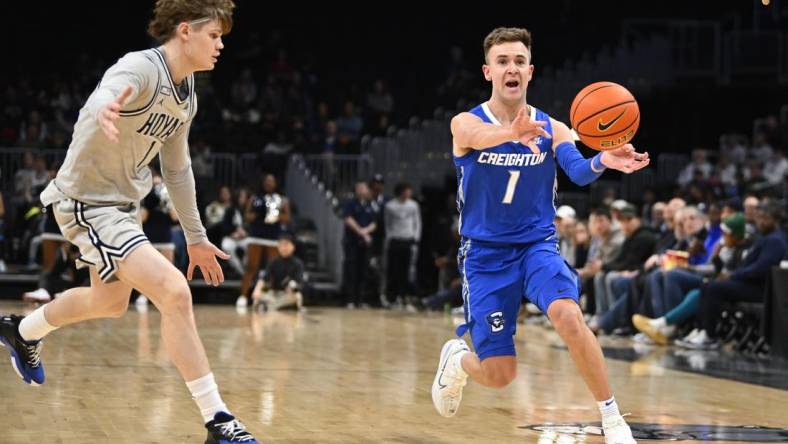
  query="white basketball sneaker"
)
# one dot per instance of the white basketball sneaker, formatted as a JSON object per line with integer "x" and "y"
{"x": 450, "y": 378}
{"x": 617, "y": 431}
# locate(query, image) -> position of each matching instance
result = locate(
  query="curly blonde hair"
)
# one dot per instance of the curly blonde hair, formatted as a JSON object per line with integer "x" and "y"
{"x": 167, "y": 14}
{"x": 505, "y": 35}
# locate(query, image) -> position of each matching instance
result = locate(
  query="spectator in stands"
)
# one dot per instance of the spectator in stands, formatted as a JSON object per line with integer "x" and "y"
{"x": 605, "y": 243}
{"x": 656, "y": 219}
{"x": 755, "y": 181}
{"x": 761, "y": 149}
{"x": 279, "y": 285}
{"x": 41, "y": 176}
{"x": 214, "y": 215}
{"x": 667, "y": 232}
{"x": 233, "y": 232}
{"x": 733, "y": 146}
{"x": 565, "y": 228}
{"x": 23, "y": 179}
{"x": 582, "y": 242}
{"x": 695, "y": 233}
{"x": 699, "y": 165}
{"x": 746, "y": 283}
{"x": 685, "y": 286}
{"x": 726, "y": 171}
{"x": 776, "y": 168}
{"x": 615, "y": 209}
{"x": 638, "y": 245}
{"x": 751, "y": 203}
{"x": 359, "y": 225}
{"x": 267, "y": 215}
{"x": 403, "y": 234}
{"x": 380, "y": 102}
{"x": 349, "y": 127}
{"x": 202, "y": 164}
{"x": 244, "y": 91}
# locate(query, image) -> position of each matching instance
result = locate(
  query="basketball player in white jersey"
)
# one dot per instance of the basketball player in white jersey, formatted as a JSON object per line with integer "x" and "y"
{"x": 142, "y": 107}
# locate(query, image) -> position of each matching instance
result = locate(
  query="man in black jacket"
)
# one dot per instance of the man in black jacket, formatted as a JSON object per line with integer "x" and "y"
{"x": 746, "y": 283}
{"x": 637, "y": 247}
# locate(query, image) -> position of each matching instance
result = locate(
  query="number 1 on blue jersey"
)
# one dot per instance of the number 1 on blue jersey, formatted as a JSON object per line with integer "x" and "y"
{"x": 514, "y": 176}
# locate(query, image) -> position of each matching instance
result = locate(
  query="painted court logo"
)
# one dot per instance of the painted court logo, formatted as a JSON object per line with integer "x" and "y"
{"x": 576, "y": 432}
{"x": 495, "y": 320}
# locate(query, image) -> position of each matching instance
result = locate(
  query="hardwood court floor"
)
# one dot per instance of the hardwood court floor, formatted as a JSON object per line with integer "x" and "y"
{"x": 336, "y": 376}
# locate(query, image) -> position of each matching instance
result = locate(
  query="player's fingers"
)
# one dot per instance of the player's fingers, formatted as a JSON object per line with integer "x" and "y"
{"x": 123, "y": 96}
{"x": 190, "y": 271}
{"x": 213, "y": 276}
{"x": 206, "y": 275}
{"x": 543, "y": 132}
{"x": 220, "y": 253}
{"x": 642, "y": 165}
{"x": 532, "y": 145}
{"x": 219, "y": 274}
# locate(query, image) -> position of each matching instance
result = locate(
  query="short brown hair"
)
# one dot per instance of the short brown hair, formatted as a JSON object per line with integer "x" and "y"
{"x": 169, "y": 13}
{"x": 505, "y": 35}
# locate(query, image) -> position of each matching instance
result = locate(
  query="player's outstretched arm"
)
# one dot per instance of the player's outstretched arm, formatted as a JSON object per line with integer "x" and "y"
{"x": 583, "y": 171}
{"x": 625, "y": 159}
{"x": 471, "y": 133}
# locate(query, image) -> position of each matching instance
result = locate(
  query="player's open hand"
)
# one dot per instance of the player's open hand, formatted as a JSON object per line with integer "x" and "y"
{"x": 203, "y": 255}
{"x": 110, "y": 113}
{"x": 526, "y": 130}
{"x": 625, "y": 159}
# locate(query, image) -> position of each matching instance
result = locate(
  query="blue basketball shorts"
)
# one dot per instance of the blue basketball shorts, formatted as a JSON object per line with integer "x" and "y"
{"x": 496, "y": 278}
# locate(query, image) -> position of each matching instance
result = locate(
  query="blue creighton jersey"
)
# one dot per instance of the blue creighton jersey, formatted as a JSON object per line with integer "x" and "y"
{"x": 506, "y": 193}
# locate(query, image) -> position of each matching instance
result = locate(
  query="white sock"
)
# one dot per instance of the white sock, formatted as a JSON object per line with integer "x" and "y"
{"x": 205, "y": 393}
{"x": 35, "y": 326}
{"x": 608, "y": 409}
{"x": 458, "y": 362}
{"x": 659, "y": 322}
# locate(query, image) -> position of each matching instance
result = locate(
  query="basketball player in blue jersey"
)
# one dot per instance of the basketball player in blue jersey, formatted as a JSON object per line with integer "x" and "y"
{"x": 506, "y": 152}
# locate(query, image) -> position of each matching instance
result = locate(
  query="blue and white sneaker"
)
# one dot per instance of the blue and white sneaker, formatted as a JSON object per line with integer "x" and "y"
{"x": 225, "y": 429}
{"x": 25, "y": 356}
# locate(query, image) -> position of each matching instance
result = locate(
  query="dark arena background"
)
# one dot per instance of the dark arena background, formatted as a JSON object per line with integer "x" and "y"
{"x": 318, "y": 119}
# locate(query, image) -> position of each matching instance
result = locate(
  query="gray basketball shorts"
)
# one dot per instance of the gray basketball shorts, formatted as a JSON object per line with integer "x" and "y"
{"x": 104, "y": 234}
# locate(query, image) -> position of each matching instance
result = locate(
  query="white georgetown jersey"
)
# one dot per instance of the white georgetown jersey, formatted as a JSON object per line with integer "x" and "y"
{"x": 154, "y": 120}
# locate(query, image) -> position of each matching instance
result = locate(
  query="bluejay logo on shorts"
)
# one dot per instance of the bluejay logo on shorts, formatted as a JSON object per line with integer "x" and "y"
{"x": 495, "y": 320}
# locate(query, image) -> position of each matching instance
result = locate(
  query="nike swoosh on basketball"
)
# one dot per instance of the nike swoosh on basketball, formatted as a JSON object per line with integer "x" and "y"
{"x": 606, "y": 126}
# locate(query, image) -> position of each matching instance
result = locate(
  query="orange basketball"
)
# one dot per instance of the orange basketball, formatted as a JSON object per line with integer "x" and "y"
{"x": 605, "y": 115}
